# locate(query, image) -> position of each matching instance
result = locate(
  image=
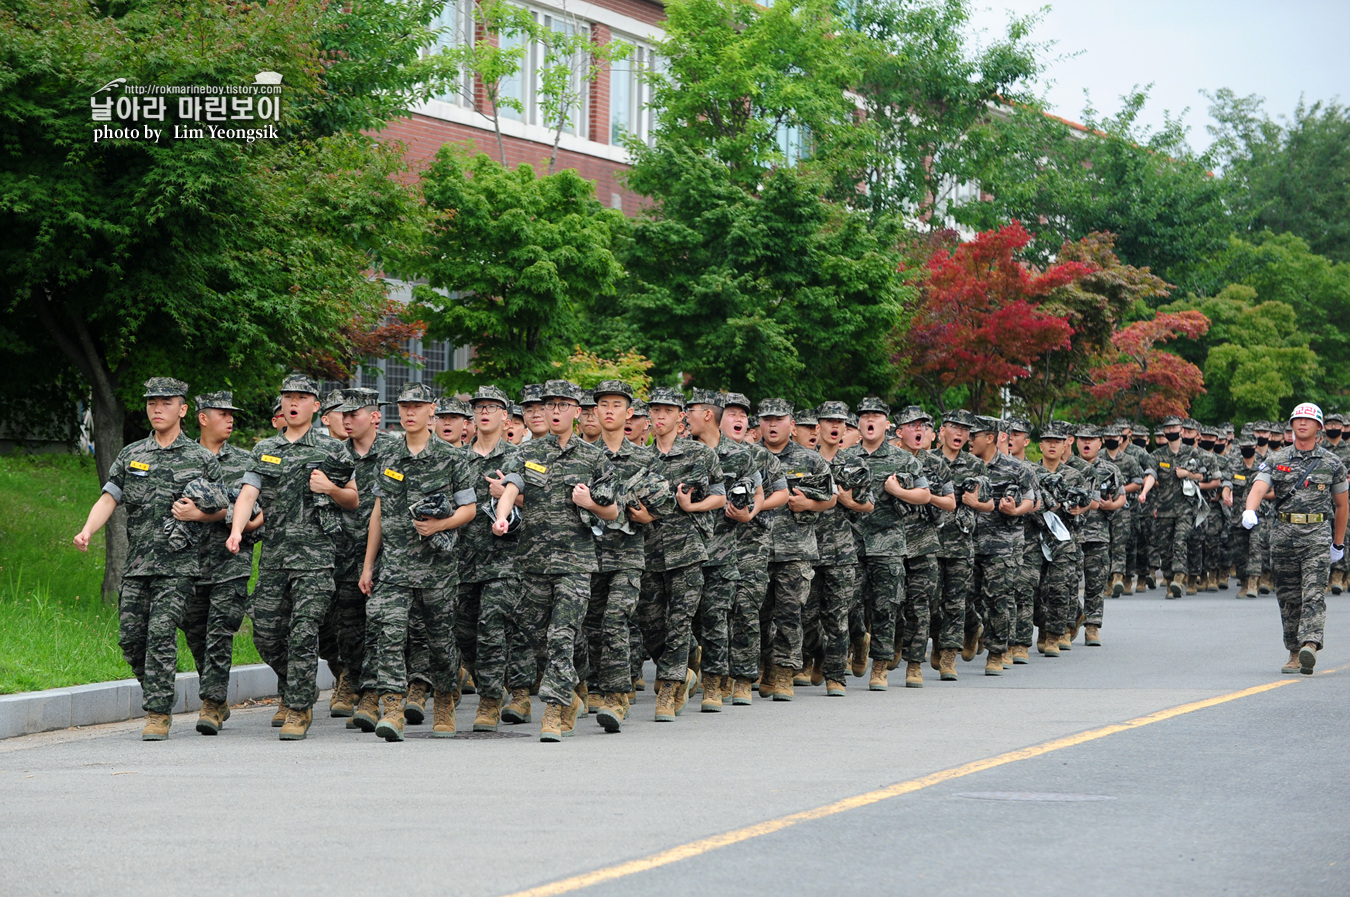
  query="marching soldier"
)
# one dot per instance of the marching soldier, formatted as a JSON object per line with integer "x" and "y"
{"x": 956, "y": 543}
{"x": 921, "y": 546}
{"x": 1178, "y": 470}
{"x": 1094, "y": 533}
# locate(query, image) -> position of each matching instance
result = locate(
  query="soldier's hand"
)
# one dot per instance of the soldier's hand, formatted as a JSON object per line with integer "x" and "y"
{"x": 1182, "y": 473}
{"x": 495, "y": 485}
{"x": 683, "y": 497}
{"x": 232, "y": 543}
{"x": 581, "y": 496}
{"x": 797, "y": 501}
{"x": 638, "y": 513}
{"x": 1007, "y": 505}
{"x": 319, "y": 482}
{"x": 367, "y": 582}
{"x": 1337, "y": 552}
{"x": 740, "y": 515}
{"x": 499, "y": 527}
{"x": 1248, "y": 519}
{"x": 186, "y": 509}
{"x": 81, "y": 540}
{"x": 427, "y": 527}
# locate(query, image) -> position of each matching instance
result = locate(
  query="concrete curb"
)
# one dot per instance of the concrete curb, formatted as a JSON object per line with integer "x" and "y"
{"x": 30, "y": 712}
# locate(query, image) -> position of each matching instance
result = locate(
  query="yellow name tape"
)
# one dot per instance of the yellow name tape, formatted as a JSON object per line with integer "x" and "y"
{"x": 1165, "y": 465}
{"x": 537, "y": 468}
{"x": 393, "y": 474}
{"x": 138, "y": 465}
{"x": 271, "y": 459}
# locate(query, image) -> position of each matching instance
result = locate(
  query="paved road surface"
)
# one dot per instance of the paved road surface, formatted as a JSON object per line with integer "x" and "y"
{"x": 1246, "y": 796}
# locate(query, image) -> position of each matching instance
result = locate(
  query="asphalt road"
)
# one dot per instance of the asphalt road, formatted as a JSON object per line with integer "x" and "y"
{"x": 1026, "y": 791}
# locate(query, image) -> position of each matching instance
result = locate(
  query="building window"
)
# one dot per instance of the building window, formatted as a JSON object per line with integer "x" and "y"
{"x": 454, "y": 27}
{"x": 631, "y": 111}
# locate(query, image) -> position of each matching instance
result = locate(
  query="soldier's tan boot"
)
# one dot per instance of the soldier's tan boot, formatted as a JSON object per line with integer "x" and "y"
{"x": 1052, "y": 645}
{"x": 1337, "y": 583}
{"x": 1131, "y": 583}
{"x": 993, "y": 665}
{"x": 1221, "y": 580}
{"x": 1150, "y": 581}
{"x": 1212, "y": 582}
{"x": 895, "y": 659}
{"x": 550, "y": 729}
{"x": 211, "y": 718}
{"x": 1307, "y": 658}
{"x": 1066, "y": 641}
{"x": 767, "y": 685}
{"x": 1265, "y": 584}
{"x": 801, "y": 678}
{"x": 878, "y": 681}
{"x": 947, "y": 665}
{"x": 1250, "y": 590}
{"x": 568, "y": 721}
{"x": 665, "y": 700}
{"x": 639, "y": 684}
{"x": 712, "y": 694}
{"x": 1009, "y": 657}
{"x": 443, "y": 714}
{"x": 782, "y": 679}
{"x": 858, "y": 652}
{"x": 935, "y": 657}
{"x": 970, "y": 644}
{"x": 613, "y": 709}
{"x": 466, "y": 684}
{"x": 367, "y": 712}
{"x": 913, "y": 675}
{"x": 1174, "y": 586}
{"x": 1117, "y": 585}
{"x": 342, "y": 703}
{"x": 517, "y": 710}
{"x": 489, "y": 714}
{"x": 415, "y": 707}
{"x": 594, "y": 701}
{"x": 1292, "y": 665}
{"x": 835, "y": 689}
{"x": 684, "y": 689}
{"x": 296, "y": 726}
{"x": 741, "y": 693}
{"x": 585, "y": 695}
{"x": 818, "y": 672}
{"x": 392, "y": 721}
{"x": 279, "y": 718}
{"x": 156, "y": 726}
{"x": 1193, "y": 584}
{"x": 1092, "y": 636}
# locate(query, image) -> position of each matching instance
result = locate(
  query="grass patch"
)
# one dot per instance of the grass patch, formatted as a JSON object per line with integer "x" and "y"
{"x": 55, "y": 630}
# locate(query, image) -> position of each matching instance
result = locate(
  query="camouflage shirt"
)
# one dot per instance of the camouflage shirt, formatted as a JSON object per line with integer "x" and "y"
{"x": 680, "y": 538}
{"x": 956, "y": 529}
{"x": 1304, "y": 483}
{"x": 1243, "y": 478}
{"x": 1168, "y": 497}
{"x": 996, "y": 532}
{"x": 146, "y": 479}
{"x": 483, "y": 556}
{"x": 738, "y": 466}
{"x": 553, "y": 537}
{"x": 351, "y": 552}
{"x": 1095, "y": 526}
{"x": 293, "y": 538}
{"x": 883, "y": 530}
{"x": 792, "y": 536}
{"x": 407, "y": 558}
{"x": 921, "y": 535}
{"x": 219, "y": 564}
{"x": 754, "y": 540}
{"x": 622, "y": 546}
{"x": 836, "y": 539}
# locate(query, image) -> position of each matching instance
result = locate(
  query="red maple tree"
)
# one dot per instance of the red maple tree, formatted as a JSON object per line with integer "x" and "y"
{"x": 362, "y": 340}
{"x": 979, "y": 323}
{"x": 1141, "y": 380}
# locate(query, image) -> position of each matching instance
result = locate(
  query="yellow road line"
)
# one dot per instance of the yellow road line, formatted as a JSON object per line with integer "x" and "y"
{"x": 726, "y": 839}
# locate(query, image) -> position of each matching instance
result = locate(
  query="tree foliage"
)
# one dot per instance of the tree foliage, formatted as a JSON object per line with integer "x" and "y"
{"x": 1139, "y": 379}
{"x": 509, "y": 265}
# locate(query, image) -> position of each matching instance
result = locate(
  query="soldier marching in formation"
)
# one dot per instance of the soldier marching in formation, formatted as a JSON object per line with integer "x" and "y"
{"x": 554, "y": 546}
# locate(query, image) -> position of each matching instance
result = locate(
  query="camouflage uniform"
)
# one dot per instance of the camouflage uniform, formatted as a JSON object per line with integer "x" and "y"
{"x": 1303, "y": 483}
{"x": 146, "y": 479}
{"x": 923, "y": 590}
{"x": 1061, "y": 559}
{"x": 721, "y": 572}
{"x": 1198, "y": 561}
{"x": 295, "y": 572}
{"x": 1123, "y": 558}
{"x": 1246, "y": 553}
{"x": 825, "y": 616}
{"x": 559, "y": 549}
{"x": 1341, "y": 450}
{"x": 1173, "y": 510}
{"x": 1141, "y": 523}
{"x": 1094, "y": 535}
{"x": 956, "y": 554}
{"x": 215, "y": 611}
{"x": 1024, "y": 606}
{"x": 999, "y": 543}
{"x": 676, "y": 548}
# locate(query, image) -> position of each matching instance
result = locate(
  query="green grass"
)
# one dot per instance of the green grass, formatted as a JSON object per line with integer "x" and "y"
{"x": 55, "y": 630}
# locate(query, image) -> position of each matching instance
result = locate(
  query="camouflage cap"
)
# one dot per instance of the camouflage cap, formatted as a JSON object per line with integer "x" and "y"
{"x": 1209, "y": 431}
{"x": 1336, "y": 416}
{"x": 1017, "y": 425}
{"x": 1089, "y": 431}
{"x": 1190, "y": 423}
{"x": 705, "y": 397}
{"x": 359, "y": 397}
{"x": 774, "y": 408}
{"x": 1055, "y": 429}
{"x": 586, "y": 397}
{"x": 1248, "y": 428}
{"x": 332, "y": 401}
{"x": 1170, "y": 421}
{"x": 1122, "y": 424}
{"x": 447, "y": 405}
{"x": 872, "y": 403}
{"x": 416, "y": 392}
{"x": 1246, "y": 439}
{"x": 223, "y": 399}
{"x": 806, "y": 418}
{"x": 912, "y": 414}
{"x": 666, "y": 395}
{"x": 1111, "y": 429}
{"x": 737, "y": 400}
{"x": 958, "y": 417}
{"x": 560, "y": 389}
{"x": 298, "y": 382}
{"x": 640, "y": 409}
{"x": 491, "y": 394}
{"x": 165, "y": 388}
{"x": 852, "y": 420}
{"x": 517, "y": 411}
{"x": 531, "y": 393}
{"x": 980, "y": 423}
{"x": 832, "y": 411}
{"x": 752, "y": 421}
{"x": 276, "y": 406}
{"x": 614, "y": 388}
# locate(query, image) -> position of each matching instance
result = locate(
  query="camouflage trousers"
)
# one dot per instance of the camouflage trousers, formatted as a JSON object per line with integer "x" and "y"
{"x": 212, "y": 616}
{"x": 1022, "y": 608}
{"x": 389, "y": 611}
{"x": 1245, "y": 551}
{"x": 288, "y": 607}
{"x": 417, "y": 651}
{"x": 780, "y": 618}
{"x": 883, "y": 591}
{"x": 553, "y": 611}
{"x": 745, "y": 627}
{"x": 1144, "y": 525}
{"x": 1218, "y": 547}
{"x": 608, "y": 625}
{"x": 1096, "y": 576}
{"x": 956, "y": 580}
{"x": 995, "y": 575}
{"x": 330, "y": 648}
{"x": 921, "y": 589}
{"x": 149, "y": 610}
{"x": 349, "y": 603}
{"x": 1120, "y": 551}
{"x": 637, "y": 651}
{"x": 1168, "y": 551}
{"x": 493, "y": 609}
{"x": 1301, "y": 566}
{"x": 665, "y": 613}
{"x": 825, "y": 619}
{"x": 714, "y": 618}
{"x": 1058, "y": 591}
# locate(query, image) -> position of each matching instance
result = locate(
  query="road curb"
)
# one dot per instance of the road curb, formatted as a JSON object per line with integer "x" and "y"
{"x": 28, "y": 713}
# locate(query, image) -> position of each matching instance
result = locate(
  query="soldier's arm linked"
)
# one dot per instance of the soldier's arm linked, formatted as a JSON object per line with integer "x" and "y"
{"x": 99, "y": 515}
{"x": 510, "y": 495}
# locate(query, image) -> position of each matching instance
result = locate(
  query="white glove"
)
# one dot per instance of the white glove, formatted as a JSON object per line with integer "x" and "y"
{"x": 1248, "y": 519}
{"x": 1337, "y": 553}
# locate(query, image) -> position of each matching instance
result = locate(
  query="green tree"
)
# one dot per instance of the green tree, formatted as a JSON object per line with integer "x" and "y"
{"x": 510, "y": 265}
{"x": 1287, "y": 176}
{"x": 218, "y": 260}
